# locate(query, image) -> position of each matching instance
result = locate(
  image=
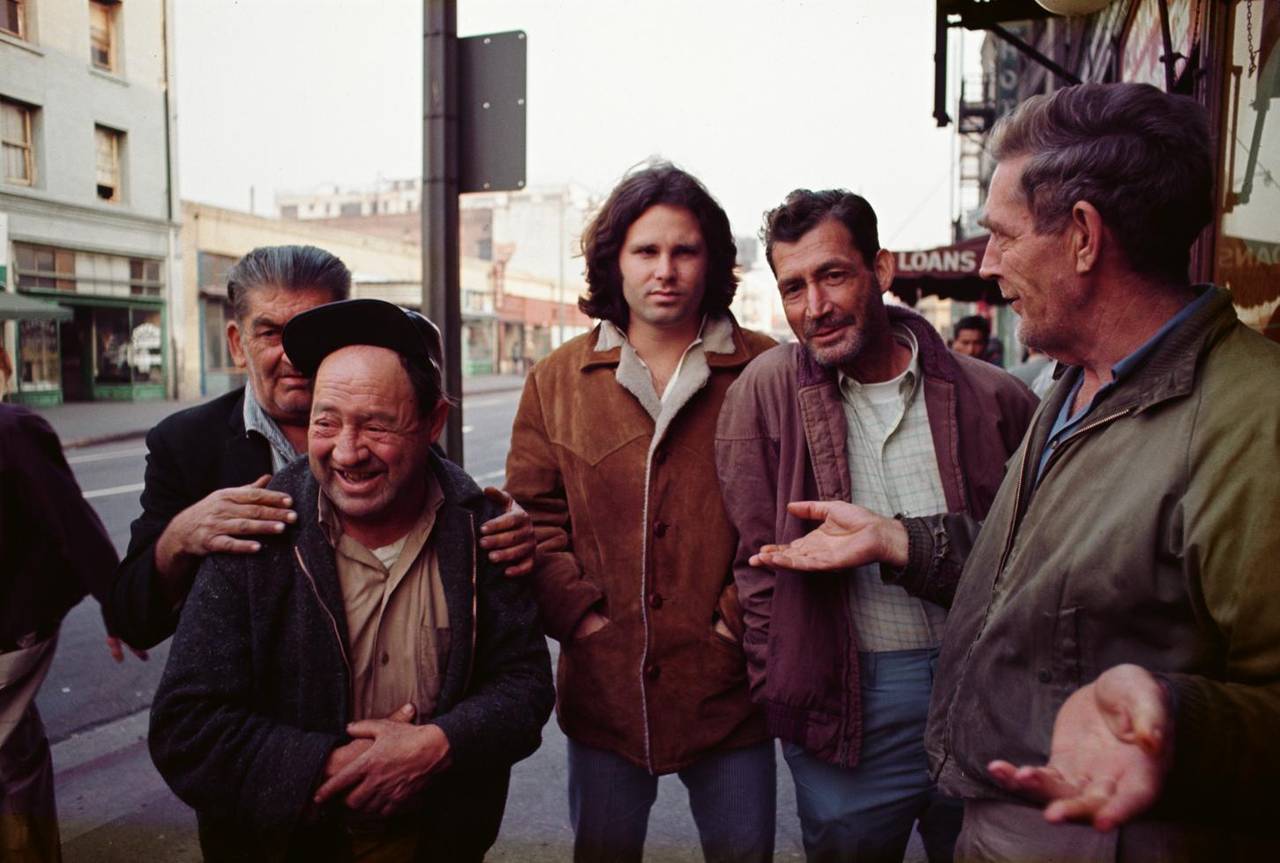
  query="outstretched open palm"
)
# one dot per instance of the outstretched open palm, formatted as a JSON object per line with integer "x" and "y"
{"x": 1111, "y": 749}
{"x": 849, "y": 536}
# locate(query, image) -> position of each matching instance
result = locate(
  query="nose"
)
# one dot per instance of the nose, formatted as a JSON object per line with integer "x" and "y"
{"x": 347, "y": 448}
{"x": 664, "y": 268}
{"x": 816, "y": 302}
{"x": 990, "y": 266}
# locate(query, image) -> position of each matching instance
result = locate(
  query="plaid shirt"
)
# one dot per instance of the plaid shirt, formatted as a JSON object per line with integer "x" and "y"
{"x": 892, "y": 469}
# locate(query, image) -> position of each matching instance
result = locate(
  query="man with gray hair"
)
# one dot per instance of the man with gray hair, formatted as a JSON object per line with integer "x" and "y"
{"x": 1112, "y": 653}
{"x": 208, "y": 466}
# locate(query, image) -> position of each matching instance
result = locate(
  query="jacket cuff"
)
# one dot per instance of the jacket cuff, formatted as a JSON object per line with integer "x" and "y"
{"x": 925, "y": 548}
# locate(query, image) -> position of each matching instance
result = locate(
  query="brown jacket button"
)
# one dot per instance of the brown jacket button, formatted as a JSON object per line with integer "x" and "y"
{"x": 651, "y": 671}
{"x": 655, "y": 600}
{"x": 660, "y": 528}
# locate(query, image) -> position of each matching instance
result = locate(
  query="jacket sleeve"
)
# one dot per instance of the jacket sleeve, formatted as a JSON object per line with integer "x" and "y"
{"x": 137, "y": 610}
{"x": 38, "y": 473}
{"x": 937, "y": 547}
{"x": 533, "y": 478}
{"x": 747, "y": 465}
{"x": 1226, "y": 749}
{"x": 217, "y": 754}
{"x": 510, "y": 697}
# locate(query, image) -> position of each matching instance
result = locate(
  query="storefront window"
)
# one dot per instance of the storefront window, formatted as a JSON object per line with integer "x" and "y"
{"x": 1248, "y": 249}
{"x": 111, "y": 342}
{"x": 217, "y": 358}
{"x": 38, "y": 358}
{"x": 146, "y": 347}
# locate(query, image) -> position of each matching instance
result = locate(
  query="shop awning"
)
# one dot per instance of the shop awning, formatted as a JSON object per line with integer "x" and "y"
{"x": 950, "y": 272}
{"x": 16, "y": 307}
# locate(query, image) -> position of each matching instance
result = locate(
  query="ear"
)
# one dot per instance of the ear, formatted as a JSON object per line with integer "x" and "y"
{"x": 233, "y": 344}
{"x": 436, "y": 421}
{"x": 885, "y": 269}
{"x": 1086, "y": 236}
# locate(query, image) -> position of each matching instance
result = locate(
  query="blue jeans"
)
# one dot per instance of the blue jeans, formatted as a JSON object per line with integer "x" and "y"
{"x": 733, "y": 796}
{"x": 866, "y": 813}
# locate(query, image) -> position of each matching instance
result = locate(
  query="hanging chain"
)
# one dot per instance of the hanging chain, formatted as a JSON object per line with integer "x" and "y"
{"x": 1248, "y": 29}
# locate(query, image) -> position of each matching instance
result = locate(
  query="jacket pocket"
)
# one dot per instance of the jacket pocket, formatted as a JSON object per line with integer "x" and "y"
{"x": 1058, "y": 665}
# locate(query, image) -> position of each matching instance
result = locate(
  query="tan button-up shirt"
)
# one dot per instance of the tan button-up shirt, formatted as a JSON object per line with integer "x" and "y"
{"x": 397, "y": 620}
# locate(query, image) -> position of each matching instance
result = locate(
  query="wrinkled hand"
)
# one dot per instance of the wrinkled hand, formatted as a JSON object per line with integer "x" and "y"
{"x": 116, "y": 648}
{"x": 509, "y": 538}
{"x": 214, "y": 523}
{"x": 849, "y": 536}
{"x": 341, "y": 756}
{"x": 592, "y": 621}
{"x": 1111, "y": 750}
{"x": 397, "y": 763}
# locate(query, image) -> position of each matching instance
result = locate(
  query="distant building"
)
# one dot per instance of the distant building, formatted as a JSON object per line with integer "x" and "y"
{"x": 522, "y": 270}
{"x": 89, "y": 194}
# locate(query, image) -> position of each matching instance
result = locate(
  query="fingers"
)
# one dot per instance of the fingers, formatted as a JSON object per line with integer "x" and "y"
{"x": 141, "y": 654}
{"x": 260, "y": 482}
{"x": 113, "y": 646}
{"x": 367, "y": 727}
{"x": 515, "y": 552}
{"x": 520, "y": 570}
{"x": 810, "y": 510}
{"x": 339, "y": 782}
{"x": 1135, "y": 706}
{"x": 498, "y": 496}
{"x": 1083, "y": 806}
{"x": 1043, "y": 783}
{"x": 223, "y": 544}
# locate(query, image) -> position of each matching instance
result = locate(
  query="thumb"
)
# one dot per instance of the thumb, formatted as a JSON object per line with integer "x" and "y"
{"x": 403, "y": 714}
{"x": 498, "y": 496}
{"x": 810, "y": 510}
{"x": 1135, "y": 707}
{"x": 261, "y": 482}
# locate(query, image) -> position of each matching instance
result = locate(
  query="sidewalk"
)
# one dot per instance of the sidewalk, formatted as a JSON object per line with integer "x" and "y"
{"x": 81, "y": 424}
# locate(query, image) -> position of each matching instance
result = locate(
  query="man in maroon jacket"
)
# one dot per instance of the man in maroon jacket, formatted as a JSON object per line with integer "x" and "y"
{"x": 872, "y": 408}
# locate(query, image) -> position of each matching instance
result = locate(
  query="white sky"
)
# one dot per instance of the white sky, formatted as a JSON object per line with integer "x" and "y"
{"x": 755, "y": 97}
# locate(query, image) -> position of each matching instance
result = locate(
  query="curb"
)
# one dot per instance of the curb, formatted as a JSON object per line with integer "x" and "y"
{"x": 97, "y": 440}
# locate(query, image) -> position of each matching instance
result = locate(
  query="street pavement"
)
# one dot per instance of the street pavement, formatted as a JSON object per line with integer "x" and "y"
{"x": 112, "y": 804}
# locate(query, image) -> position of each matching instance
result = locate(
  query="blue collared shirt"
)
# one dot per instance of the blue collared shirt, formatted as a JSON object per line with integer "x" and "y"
{"x": 1066, "y": 423}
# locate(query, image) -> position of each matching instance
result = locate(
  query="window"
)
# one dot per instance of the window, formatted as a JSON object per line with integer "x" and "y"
{"x": 102, "y": 34}
{"x": 211, "y": 271}
{"x": 15, "y": 131}
{"x": 107, "y": 150}
{"x": 39, "y": 366}
{"x": 217, "y": 358}
{"x": 45, "y": 268}
{"x": 13, "y": 18}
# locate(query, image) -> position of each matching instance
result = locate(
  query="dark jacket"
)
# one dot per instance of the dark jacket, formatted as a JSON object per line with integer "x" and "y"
{"x": 190, "y": 455}
{"x": 1151, "y": 538}
{"x": 650, "y": 548}
{"x": 53, "y": 548}
{"x": 257, "y": 690}
{"x": 781, "y": 438}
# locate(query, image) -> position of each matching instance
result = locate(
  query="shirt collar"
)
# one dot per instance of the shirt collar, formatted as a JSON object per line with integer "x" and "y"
{"x": 331, "y": 521}
{"x": 1133, "y": 361}
{"x": 715, "y": 334}
{"x": 257, "y": 420}
{"x": 906, "y": 381}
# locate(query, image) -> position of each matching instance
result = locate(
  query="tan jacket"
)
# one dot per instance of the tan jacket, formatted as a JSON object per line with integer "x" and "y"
{"x": 650, "y": 548}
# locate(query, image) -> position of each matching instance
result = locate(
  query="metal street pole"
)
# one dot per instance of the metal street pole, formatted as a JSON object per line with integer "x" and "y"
{"x": 441, "y": 292}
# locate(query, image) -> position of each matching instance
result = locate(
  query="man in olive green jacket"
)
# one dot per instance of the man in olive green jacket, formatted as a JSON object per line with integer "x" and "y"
{"x": 1113, "y": 649}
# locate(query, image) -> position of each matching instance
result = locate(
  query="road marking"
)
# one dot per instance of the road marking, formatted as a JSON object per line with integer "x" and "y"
{"x": 103, "y": 456}
{"x": 485, "y": 477}
{"x": 119, "y": 489}
{"x": 484, "y": 403}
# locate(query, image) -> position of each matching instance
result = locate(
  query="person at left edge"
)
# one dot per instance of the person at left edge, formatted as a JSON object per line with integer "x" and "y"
{"x": 377, "y": 602}
{"x": 207, "y": 465}
{"x": 53, "y": 550}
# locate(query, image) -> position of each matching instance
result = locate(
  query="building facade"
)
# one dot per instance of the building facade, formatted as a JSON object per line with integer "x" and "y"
{"x": 1223, "y": 53}
{"x": 89, "y": 191}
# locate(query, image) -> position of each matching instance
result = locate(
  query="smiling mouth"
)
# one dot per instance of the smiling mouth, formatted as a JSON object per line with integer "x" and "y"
{"x": 356, "y": 477}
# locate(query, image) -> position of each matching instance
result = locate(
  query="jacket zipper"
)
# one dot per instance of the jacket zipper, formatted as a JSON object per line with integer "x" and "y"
{"x": 337, "y": 634}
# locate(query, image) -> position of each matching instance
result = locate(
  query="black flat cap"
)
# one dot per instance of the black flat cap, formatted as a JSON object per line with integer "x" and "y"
{"x": 313, "y": 335}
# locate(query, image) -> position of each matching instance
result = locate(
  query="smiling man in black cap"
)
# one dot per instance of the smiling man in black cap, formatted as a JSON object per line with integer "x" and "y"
{"x": 380, "y": 603}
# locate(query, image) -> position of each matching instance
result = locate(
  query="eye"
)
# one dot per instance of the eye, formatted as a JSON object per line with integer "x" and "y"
{"x": 835, "y": 277}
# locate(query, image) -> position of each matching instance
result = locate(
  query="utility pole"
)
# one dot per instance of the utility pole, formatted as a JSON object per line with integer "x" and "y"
{"x": 441, "y": 295}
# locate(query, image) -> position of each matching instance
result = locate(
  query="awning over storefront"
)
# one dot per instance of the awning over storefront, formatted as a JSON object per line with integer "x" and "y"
{"x": 950, "y": 272}
{"x": 16, "y": 307}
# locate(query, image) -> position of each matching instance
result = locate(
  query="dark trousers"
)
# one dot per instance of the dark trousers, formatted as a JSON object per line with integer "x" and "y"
{"x": 733, "y": 796}
{"x": 28, "y": 814}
